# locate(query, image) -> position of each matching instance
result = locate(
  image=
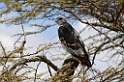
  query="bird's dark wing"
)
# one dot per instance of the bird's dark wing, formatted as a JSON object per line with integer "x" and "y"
{"x": 70, "y": 38}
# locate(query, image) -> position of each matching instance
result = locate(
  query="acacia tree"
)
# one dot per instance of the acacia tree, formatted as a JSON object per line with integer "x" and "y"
{"x": 106, "y": 17}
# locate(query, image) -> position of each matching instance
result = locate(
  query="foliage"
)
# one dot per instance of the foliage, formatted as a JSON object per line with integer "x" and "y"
{"x": 105, "y": 17}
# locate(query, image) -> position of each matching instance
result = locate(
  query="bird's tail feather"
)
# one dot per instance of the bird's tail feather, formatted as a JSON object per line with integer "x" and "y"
{"x": 85, "y": 61}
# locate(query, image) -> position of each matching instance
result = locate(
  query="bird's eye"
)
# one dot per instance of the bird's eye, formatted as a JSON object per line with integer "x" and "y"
{"x": 60, "y": 18}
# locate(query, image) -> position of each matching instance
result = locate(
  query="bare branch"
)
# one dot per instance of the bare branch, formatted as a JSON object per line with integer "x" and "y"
{"x": 34, "y": 59}
{"x": 36, "y": 71}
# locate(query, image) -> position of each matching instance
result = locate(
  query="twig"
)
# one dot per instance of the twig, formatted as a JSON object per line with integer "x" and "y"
{"x": 49, "y": 70}
{"x": 36, "y": 72}
{"x": 18, "y": 39}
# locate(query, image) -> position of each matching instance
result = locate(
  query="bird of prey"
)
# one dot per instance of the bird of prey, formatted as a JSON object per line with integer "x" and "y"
{"x": 71, "y": 40}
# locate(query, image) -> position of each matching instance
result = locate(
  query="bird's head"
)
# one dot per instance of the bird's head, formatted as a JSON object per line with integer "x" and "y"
{"x": 60, "y": 20}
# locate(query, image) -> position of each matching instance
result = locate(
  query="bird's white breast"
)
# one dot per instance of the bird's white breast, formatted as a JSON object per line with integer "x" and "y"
{"x": 60, "y": 26}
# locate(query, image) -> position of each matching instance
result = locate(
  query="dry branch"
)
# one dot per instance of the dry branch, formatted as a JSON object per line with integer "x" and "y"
{"x": 65, "y": 73}
{"x": 34, "y": 59}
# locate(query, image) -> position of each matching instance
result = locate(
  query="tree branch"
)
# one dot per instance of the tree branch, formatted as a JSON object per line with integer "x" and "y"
{"x": 65, "y": 73}
{"x": 34, "y": 59}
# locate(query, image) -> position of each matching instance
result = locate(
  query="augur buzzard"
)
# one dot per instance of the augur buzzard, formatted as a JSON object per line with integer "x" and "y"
{"x": 71, "y": 40}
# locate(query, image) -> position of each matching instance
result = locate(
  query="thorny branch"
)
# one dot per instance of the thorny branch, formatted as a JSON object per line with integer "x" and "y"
{"x": 65, "y": 73}
{"x": 34, "y": 59}
{"x": 98, "y": 14}
{"x": 35, "y": 32}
